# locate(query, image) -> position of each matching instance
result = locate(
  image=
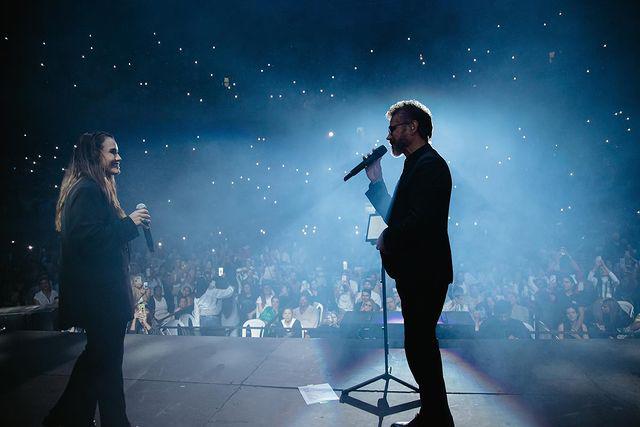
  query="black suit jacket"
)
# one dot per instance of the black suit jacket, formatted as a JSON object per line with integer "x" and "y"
{"x": 417, "y": 240}
{"x": 94, "y": 264}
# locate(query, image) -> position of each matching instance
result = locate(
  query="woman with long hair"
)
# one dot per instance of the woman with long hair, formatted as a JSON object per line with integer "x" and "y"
{"x": 571, "y": 327}
{"x": 95, "y": 293}
{"x": 614, "y": 318}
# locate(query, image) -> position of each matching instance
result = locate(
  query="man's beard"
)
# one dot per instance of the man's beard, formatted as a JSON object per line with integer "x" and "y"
{"x": 397, "y": 146}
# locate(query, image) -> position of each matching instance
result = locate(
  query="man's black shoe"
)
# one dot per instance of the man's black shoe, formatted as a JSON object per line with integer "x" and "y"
{"x": 420, "y": 421}
{"x": 417, "y": 421}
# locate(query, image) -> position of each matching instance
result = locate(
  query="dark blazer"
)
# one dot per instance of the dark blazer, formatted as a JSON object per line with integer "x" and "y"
{"x": 94, "y": 264}
{"x": 417, "y": 240}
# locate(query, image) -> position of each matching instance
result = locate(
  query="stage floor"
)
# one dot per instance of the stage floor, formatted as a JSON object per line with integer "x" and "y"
{"x": 207, "y": 381}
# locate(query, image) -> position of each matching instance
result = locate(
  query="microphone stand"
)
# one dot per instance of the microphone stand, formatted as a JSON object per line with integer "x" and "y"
{"x": 382, "y": 409}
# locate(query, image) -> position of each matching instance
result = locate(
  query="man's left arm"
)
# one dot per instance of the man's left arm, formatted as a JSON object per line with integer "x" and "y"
{"x": 431, "y": 196}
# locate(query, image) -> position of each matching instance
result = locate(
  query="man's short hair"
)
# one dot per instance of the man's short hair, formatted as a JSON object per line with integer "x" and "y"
{"x": 417, "y": 111}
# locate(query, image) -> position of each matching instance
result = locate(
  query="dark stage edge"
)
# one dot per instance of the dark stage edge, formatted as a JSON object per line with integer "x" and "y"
{"x": 218, "y": 381}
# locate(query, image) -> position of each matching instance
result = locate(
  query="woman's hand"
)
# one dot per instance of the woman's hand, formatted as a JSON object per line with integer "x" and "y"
{"x": 140, "y": 217}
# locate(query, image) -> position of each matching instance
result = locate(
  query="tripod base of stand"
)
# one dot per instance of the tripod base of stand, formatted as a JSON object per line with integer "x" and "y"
{"x": 382, "y": 409}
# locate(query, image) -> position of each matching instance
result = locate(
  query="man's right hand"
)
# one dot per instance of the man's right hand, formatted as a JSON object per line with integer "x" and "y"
{"x": 139, "y": 216}
{"x": 374, "y": 171}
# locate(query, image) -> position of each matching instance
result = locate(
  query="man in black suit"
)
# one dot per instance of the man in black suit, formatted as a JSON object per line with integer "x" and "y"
{"x": 95, "y": 293}
{"x": 415, "y": 248}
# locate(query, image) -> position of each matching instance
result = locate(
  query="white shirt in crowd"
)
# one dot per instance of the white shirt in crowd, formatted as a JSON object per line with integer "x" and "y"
{"x": 309, "y": 318}
{"x": 43, "y": 300}
{"x": 345, "y": 302}
{"x": 609, "y": 283}
{"x": 186, "y": 320}
{"x": 289, "y": 324}
{"x": 209, "y": 303}
{"x": 162, "y": 309}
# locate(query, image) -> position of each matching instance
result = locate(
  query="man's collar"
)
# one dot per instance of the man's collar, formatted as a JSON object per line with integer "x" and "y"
{"x": 416, "y": 154}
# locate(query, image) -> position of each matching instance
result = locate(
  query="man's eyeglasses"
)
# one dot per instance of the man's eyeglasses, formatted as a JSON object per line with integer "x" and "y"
{"x": 392, "y": 128}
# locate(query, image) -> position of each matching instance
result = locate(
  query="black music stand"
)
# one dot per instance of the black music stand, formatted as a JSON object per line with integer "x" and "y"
{"x": 374, "y": 228}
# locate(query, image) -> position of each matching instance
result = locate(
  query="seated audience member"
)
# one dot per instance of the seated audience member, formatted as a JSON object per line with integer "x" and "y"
{"x": 318, "y": 294}
{"x": 396, "y": 298}
{"x": 634, "y": 328}
{"x": 246, "y": 303}
{"x": 137, "y": 288}
{"x": 572, "y": 327}
{"x": 456, "y": 302}
{"x": 569, "y": 296}
{"x": 305, "y": 289}
{"x": 142, "y": 319}
{"x": 271, "y": 313}
{"x": 172, "y": 286}
{"x": 285, "y": 296}
{"x": 264, "y": 300}
{"x": 182, "y": 317}
{"x": 184, "y": 310}
{"x": 365, "y": 299}
{"x": 187, "y": 292}
{"x": 330, "y": 320}
{"x": 46, "y": 295}
{"x": 367, "y": 286}
{"x": 391, "y": 305}
{"x": 501, "y": 325}
{"x": 614, "y": 319}
{"x": 290, "y": 327}
{"x": 158, "y": 305}
{"x": 345, "y": 297}
{"x": 306, "y": 314}
{"x": 367, "y": 306}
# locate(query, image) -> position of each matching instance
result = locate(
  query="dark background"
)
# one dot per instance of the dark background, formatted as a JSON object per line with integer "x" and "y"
{"x": 538, "y": 123}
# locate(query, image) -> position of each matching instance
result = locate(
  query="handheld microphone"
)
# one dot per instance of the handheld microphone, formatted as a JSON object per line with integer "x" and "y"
{"x": 375, "y": 155}
{"x": 147, "y": 229}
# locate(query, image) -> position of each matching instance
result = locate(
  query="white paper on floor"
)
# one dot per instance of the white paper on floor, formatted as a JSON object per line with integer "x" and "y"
{"x": 317, "y": 393}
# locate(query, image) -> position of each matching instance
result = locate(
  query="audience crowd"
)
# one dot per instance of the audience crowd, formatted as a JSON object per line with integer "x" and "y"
{"x": 284, "y": 292}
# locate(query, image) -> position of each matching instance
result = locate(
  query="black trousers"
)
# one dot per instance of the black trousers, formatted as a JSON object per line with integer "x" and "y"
{"x": 96, "y": 379}
{"x": 421, "y": 307}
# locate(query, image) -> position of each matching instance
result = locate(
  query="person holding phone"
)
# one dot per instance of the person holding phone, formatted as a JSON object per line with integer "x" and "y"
{"x": 207, "y": 308}
{"x": 95, "y": 293}
{"x": 344, "y": 296}
{"x": 604, "y": 281}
